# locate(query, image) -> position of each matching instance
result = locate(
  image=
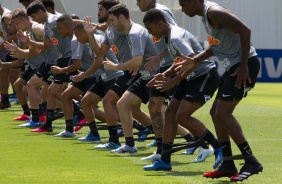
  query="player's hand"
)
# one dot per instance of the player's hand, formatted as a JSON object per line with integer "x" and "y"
{"x": 185, "y": 67}
{"x": 135, "y": 71}
{"x": 165, "y": 85}
{"x": 17, "y": 55}
{"x": 108, "y": 65}
{"x": 11, "y": 47}
{"x": 79, "y": 77}
{"x": 88, "y": 26}
{"x": 155, "y": 79}
{"x": 242, "y": 76}
{"x": 56, "y": 69}
{"x": 153, "y": 62}
{"x": 23, "y": 36}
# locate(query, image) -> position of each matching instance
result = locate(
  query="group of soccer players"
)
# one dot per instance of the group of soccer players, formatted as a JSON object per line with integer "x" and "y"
{"x": 124, "y": 64}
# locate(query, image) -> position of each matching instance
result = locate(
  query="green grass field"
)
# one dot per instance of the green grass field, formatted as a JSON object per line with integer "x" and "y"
{"x": 41, "y": 158}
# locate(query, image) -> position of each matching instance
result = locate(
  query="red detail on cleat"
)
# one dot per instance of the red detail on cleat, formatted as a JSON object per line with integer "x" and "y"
{"x": 40, "y": 129}
{"x": 42, "y": 118}
{"x": 22, "y": 117}
{"x": 217, "y": 174}
{"x": 77, "y": 128}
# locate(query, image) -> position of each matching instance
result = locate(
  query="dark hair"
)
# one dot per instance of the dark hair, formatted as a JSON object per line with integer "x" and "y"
{"x": 34, "y": 7}
{"x": 64, "y": 18}
{"x": 48, "y": 4}
{"x": 154, "y": 16}
{"x": 119, "y": 9}
{"x": 74, "y": 16}
{"x": 19, "y": 12}
{"x": 78, "y": 26}
{"x": 108, "y": 3}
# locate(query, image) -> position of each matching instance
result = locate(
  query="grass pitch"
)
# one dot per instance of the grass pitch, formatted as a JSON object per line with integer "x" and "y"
{"x": 41, "y": 158}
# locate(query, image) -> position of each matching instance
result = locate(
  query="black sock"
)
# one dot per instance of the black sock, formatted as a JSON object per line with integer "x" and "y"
{"x": 26, "y": 109}
{"x": 5, "y": 99}
{"x": 93, "y": 128}
{"x": 166, "y": 155}
{"x": 159, "y": 142}
{"x": 129, "y": 141}
{"x": 246, "y": 151}
{"x": 203, "y": 146}
{"x": 35, "y": 115}
{"x": 209, "y": 137}
{"x": 189, "y": 138}
{"x": 41, "y": 112}
{"x": 69, "y": 125}
{"x": 113, "y": 134}
{"x": 227, "y": 151}
{"x": 49, "y": 118}
{"x": 138, "y": 126}
{"x": 77, "y": 111}
{"x": 44, "y": 106}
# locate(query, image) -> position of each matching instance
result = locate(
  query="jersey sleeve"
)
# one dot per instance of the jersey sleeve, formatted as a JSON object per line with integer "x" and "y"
{"x": 182, "y": 46}
{"x": 77, "y": 49}
{"x": 137, "y": 41}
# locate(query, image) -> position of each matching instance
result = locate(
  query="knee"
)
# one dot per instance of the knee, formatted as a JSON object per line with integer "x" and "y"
{"x": 85, "y": 102}
{"x": 152, "y": 107}
{"x": 66, "y": 96}
{"x": 122, "y": 103}
{"x": 108, "y": 101}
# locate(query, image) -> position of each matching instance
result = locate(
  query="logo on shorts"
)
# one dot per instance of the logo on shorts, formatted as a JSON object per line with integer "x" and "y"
{"x": 50, "y": 78}
{"x": 207, "y": 97}
{"x": 155, "y": 39}
{"x": 212, "y": 40}
{"x": 224, "y": 95}
{"x": 114, "y": 49}
{"x": 54, "y": 41}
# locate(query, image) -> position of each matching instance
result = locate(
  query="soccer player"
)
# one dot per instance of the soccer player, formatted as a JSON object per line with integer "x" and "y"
{"x": 141, "y": 47}
{"x": 33, "y": 58}
{"x": 192, "y": 92}
{"x": 118, "y": 42}
{"x": 229, "y": 40}
{"x": 97, "y": 89}
{"x": 158, "y": 98}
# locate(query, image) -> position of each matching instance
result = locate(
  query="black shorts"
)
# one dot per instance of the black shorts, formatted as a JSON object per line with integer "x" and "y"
{"x": 139, "y": 89}
{"x": 44, "y": 72}
{"x": 227, "y": 90}
{"x": 123, "y": 82}
{"x": 9, "y": 58}
{"x": 27, "y": 74}
{"x": 25, "y": 66}
{"x": 64, "y": 77}
{"x": 102, "y": 87}
{"x": 200, "y": 89}
{"x": 85, "y": 84}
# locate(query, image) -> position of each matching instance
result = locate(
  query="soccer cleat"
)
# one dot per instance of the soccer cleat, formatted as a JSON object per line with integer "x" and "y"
{"x": 77, "y": 128}
{"x": 124, "y": 149}
{"x": 152, "y": 157}
{"x": 203, "y": 154}
{"x": 246, "y": 171}
{"x": 152, "y": 144}
{"x": 22, "y": 117}
{"x": 74, "y": 119}
{"x": 219, "y": 173}
{"x": 90, "y": 137}
{"x": 41, "y": 129}
{"x": 158, "y": 165}
{"x": 42, "y": 118}
{"x": 142, "y": 136}
{"x": 30, "y": 123}
{"x": 189, "y": 151}
{"x": 120, "y": 132}
{"x": 109, "y": 145}
{"x": 65, "y": 134}
{"x": 218, "y": 157}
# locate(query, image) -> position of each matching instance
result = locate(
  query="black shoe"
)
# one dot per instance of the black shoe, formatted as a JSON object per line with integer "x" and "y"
{"x": 247, "y": 170}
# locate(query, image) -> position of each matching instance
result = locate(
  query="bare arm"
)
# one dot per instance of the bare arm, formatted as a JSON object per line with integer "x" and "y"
{"x": 133, "y": 63}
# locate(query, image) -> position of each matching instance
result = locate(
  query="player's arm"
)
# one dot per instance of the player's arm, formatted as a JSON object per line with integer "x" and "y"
{"x": 73, "y": 67}
{"x": 99, "y": 49}
{"x": 223, "y": 18}
{"x": 14, "y": 64}
{"x": 96, "y": 66}
{"x": 133, "y": 63}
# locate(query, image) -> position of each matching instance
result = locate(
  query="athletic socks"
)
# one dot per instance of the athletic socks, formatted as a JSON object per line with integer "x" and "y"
{"x": 49, "y": 119}
{"x": 189, "y": 138}
{"x": 26, "y": 109}
{"x": 35, "y": 115}
{"x": 209, "y": 137}
{"x": 5, "y": 99}
{"x": 166, "y": 155}
{"x": 129, "y": 141}
{"x": 159, "y": 142}
{"x": 69, "y": 125}
{"x": 227, "y": 151}
{"x": 77, "y": 111}
{"x": 93, "y": 128}
{"x": 113, "y": 134}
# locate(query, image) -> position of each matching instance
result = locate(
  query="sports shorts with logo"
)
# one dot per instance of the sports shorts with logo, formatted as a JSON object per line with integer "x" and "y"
{"x": 86, "y": 83}
{"x": 200, "y": 89}
{"x": 27, "y": 74}
{"x": 139, "y": 89}
{"x": 44, "y": 72}
{"x": 227, "y": 90}
{"x": 101, "y": 87}
{"x": 123, "y": 82}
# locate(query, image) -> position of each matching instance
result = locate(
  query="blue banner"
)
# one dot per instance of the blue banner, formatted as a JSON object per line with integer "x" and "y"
{"x": 271, "y": 65}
